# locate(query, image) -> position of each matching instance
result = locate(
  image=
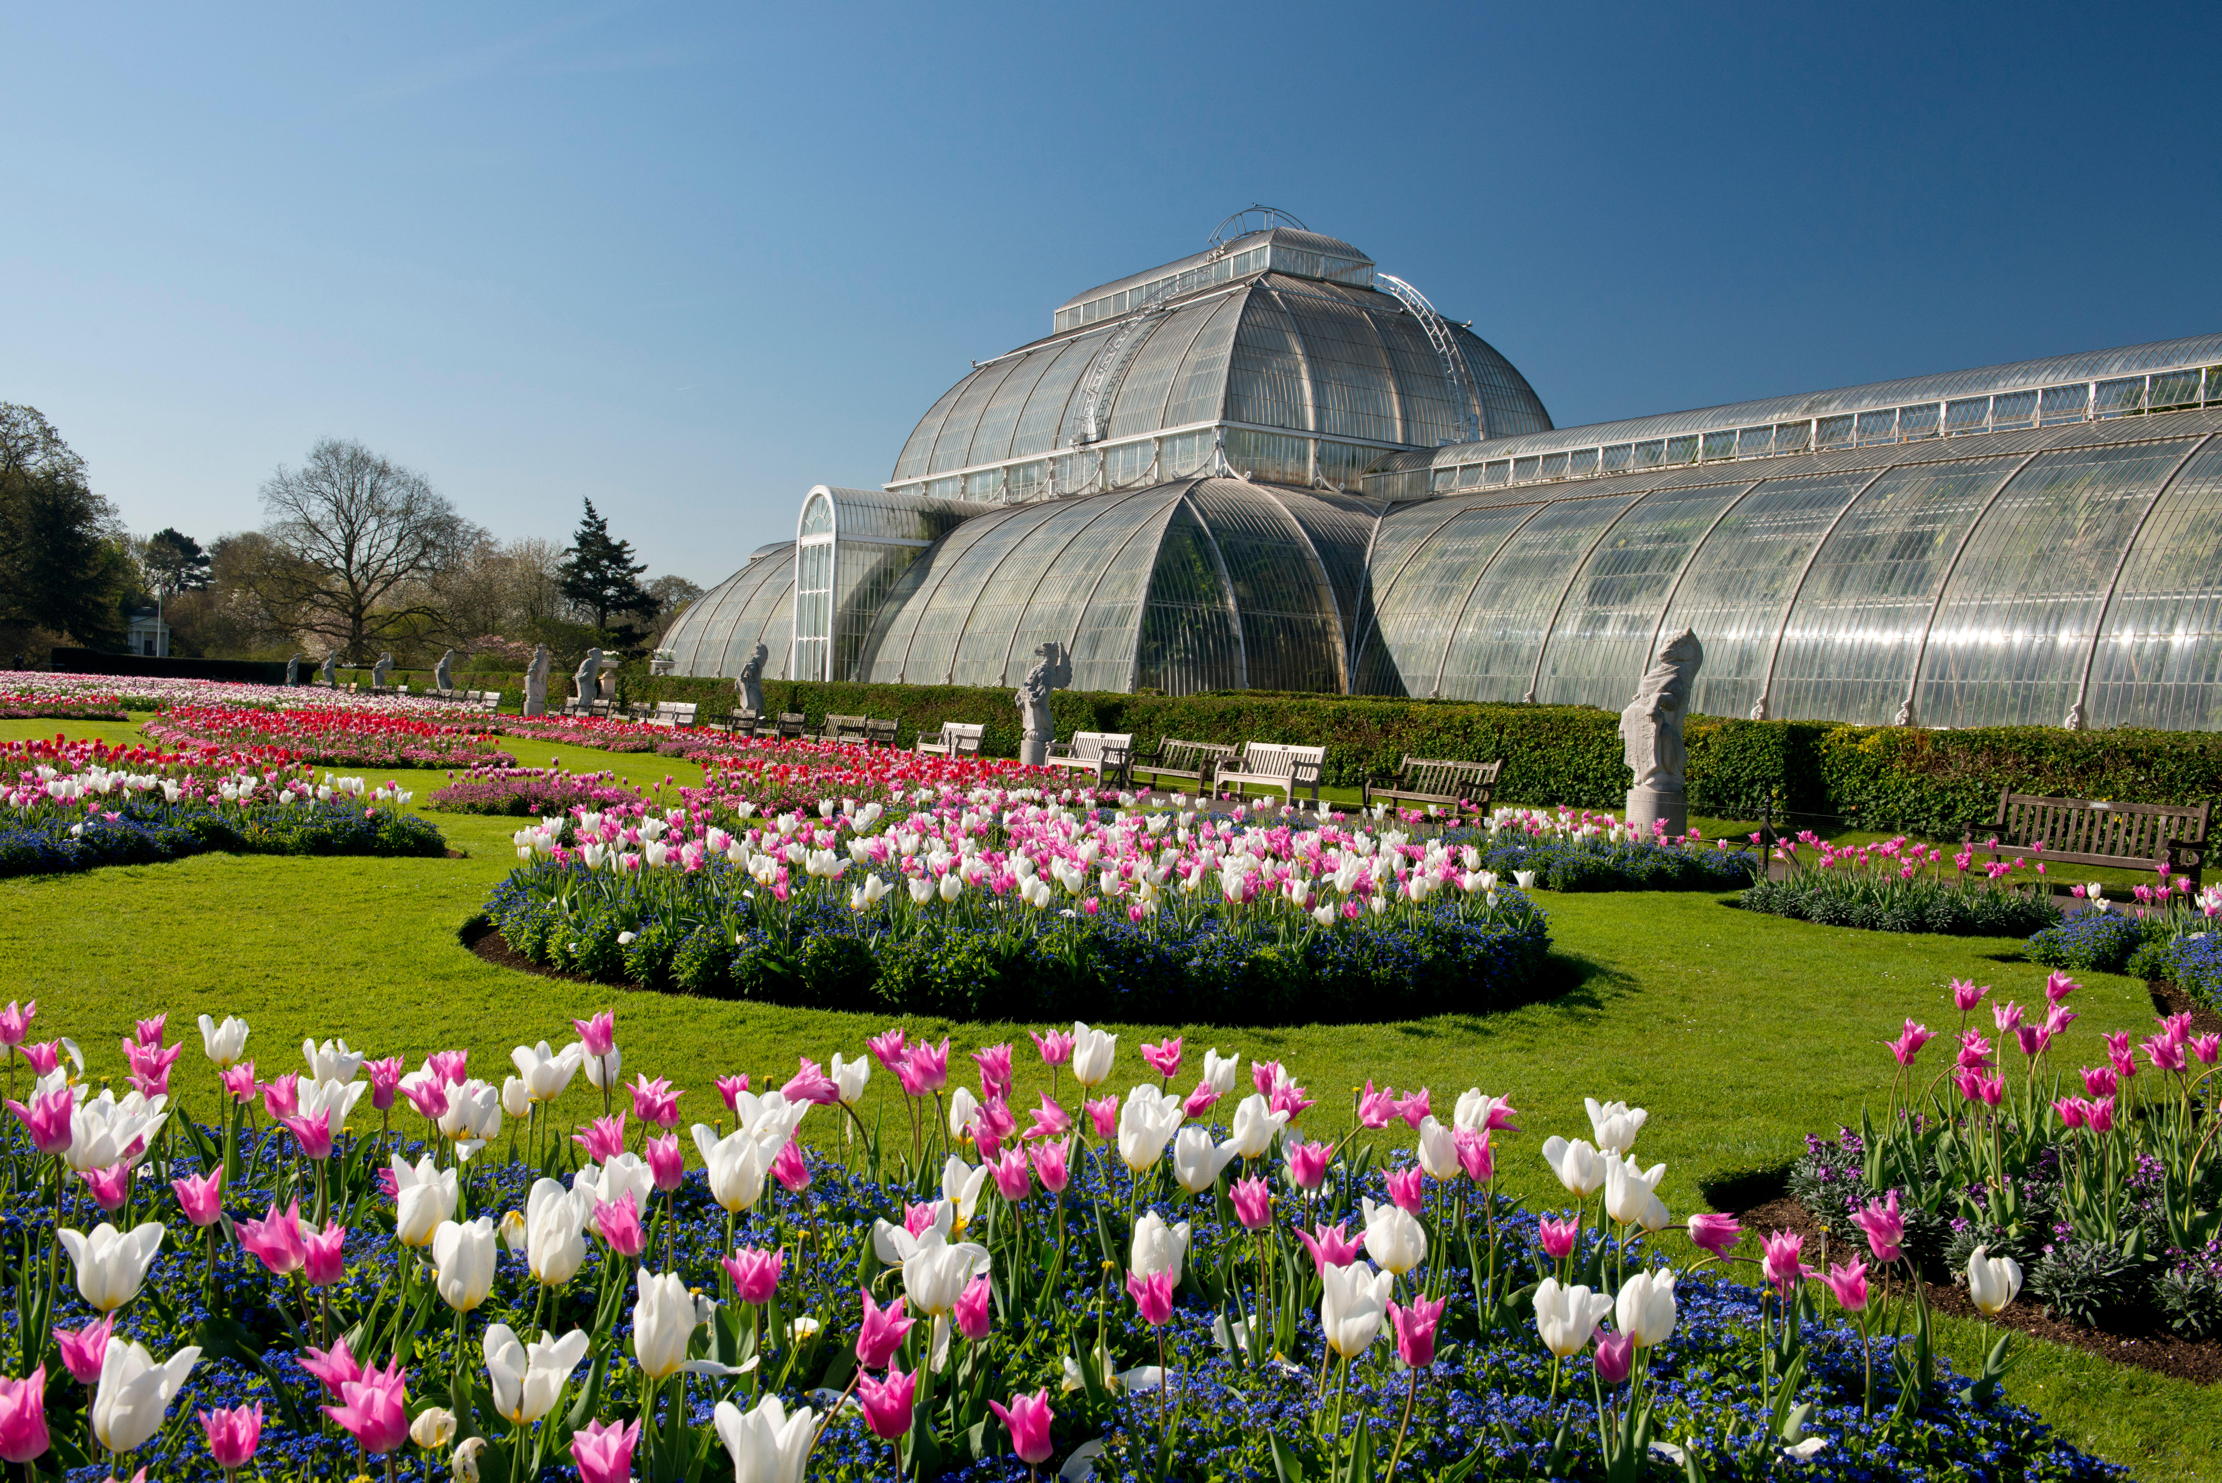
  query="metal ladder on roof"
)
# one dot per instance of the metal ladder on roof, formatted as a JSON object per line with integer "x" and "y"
{"x": 1445, "y": 344}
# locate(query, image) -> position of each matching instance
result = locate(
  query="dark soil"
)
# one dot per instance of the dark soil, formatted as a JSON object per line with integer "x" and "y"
{"x": 2168, "y": 999}
{"x": 483, "y": 939}
{"x": 2153, "y": 1349}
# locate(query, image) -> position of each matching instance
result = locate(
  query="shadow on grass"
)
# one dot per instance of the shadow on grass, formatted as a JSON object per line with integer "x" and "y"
{"x": 1567, "y": 980}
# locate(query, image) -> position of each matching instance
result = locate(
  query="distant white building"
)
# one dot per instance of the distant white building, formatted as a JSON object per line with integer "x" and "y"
{"x": 149, "y": 636}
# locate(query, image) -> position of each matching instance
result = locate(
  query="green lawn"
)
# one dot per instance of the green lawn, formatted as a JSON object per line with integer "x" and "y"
{"x": 1739, "y": 1032}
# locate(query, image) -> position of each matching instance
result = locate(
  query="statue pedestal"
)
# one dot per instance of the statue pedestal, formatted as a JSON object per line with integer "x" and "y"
{"x": 1033, "y": 749}
{"x": 1651, "y": 806}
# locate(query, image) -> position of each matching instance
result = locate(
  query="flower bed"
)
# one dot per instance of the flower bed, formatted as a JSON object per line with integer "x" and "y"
{"x": 67, "y": 806}
{"x": 529, "y": 792}
{"x": 149, "y": 693}
{"x": 334, "y": 737}
{"x": 1147, "y": 1287}
{"x": 2103, "y": 1182}
{"x": 992, "y": 904}
{"x": 1900, "y": 886}
{"x": 1571, "y": 850}
{"x": 26, "y": 705}
{"x": 2136, "y": 937}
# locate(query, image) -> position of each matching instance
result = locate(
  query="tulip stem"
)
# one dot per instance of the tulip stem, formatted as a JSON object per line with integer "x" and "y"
{"x": 1411, "y": 1395}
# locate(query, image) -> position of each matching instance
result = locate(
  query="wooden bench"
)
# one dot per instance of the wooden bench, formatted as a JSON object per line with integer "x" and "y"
{"x": 741, "y": 723}
{"x": 793, "y": 725}
{"x": 1186, "y": 762}
{"x": 842, "y": 728}
{"x": 1438, "y": 780}
{"x": 2095, "y": 831}
{"x": 956, "y": 739}
{"x": 1272, "y": 765}
{"x": 576, "y": 707}
{"x": 1107, "y": 754}
{"x": 672, "y": 713}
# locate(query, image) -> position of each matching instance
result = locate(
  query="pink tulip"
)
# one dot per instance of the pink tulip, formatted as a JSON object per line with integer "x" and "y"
{"x": 313, "y": 1133}
{"x": 15, "y": 1022}
{"x": 928, "y": 1065}
{"x": 2069, "y": 1110}
{"x": 790, "y": 1168}
{"x": 654, "y": 1101}
{"x": 1976, "y": 1087}
{"x": 1266, "y": 1075}
{"x": 48, "y": 1120}
{"x": 995, "y": 1070}
{"x": 1413, "y": 1108}
{"x": 324, "y": 1259}
{"x": 239, "y": 1081}
{"x": 2100, "y": 1081}
{"x": 1050, "y": 1120}
{"x": 281, "y": 1098}
{"x": 1028, "y": 1417}
{"x": 1475, "y": 1155}
{"x": 2059, "y": 986}
{"x": 1407, "y": 1189}
{"x": 1558, "y": 1236}
{"x": 619, "y": 1225}
{"x": 1053, "y": 1165}
{"x": 1330, "y": 1246}
{"x": 811, "y": 1084}
{"x": 1376, "y": 1109}
{"x": 276, "y": 1240}
{"x": 918, "y": 1217}
{"x": 604, "y": 1138}
{"x": 1909, "y": 1042}
{"x": 2099, "y": 1114}
{"x": 233, "y": 1435}
{"x": 889, "y": 1049}
{"x": 2176, "y": 1027}
{"x": 887, "y": 1403}
{"x": 150, "y": 1067}
{"x": 974, "y": 1317}
{"x": 429, "y": 1097}
{"x": 449, "y": 1067}
{"x": 1616, "y": 1356}
{"x": 755, "y": 1273}
{"x": 44, "y": 1057}
{"x": 1782, "y": 1260}
{"x": 111, "y": 1186}
{"x": 1415, "y": 1330}
{"x": 1848, "y": 1281}
{"x": 1717, "y": 1234}
{"x": 1200, "y": 1100}
{"x": 385, "y": 1081}
{"x": 2006, "y": 1016}
{"x": 2205, "y": 1047}
{"x": 729, "y": 1092}
{"x": 598, "y": 1033}
{"x": 1055, "y": 1048}
{"x": 1013, "y": 1175}
{"x": 1966, "y": 994}
{"x": 666, "y": 1165}
{"x": 334, "y": 1368}
{"x": 881, "y": 1334}
{"x": 1165, "y": 1057}
{"x": 85, "y": 1350}
{"x": 1885, "y": 1227}
{"x": 603, "y": 1451}
{"x": 1975, "y": 1051}
{"x": 149, "y": 1032}
{"x": 1253, "y": 1203}
{"x": 1307, "y": 1163}
{"x": 993, "y": 1124}
{"x": 1153, "y": 1296}
{"x": 1103, "y": 1115}
{"x": 1290, "y": 1098}
{"x": 23, "y": 1417}
{"x": 374, "y": 1409}
{"x": 2164, "y": 1053}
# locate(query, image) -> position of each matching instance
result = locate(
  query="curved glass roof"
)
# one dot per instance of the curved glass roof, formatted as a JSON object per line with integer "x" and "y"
{"x": 1200, "y": 584}
{"x": 2024, "y": 577}
{"x": 721, "y": 628}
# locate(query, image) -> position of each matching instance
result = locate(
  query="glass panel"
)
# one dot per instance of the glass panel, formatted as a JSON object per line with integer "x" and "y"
{"x": 1733, "y": 591}
{"x": 1445, "y": 478}
{"x": 1523, "y": 469}
{"x": 1493, "y": 648}
{"x": 1967, "y": 415}
{"x": 1650, "y": 455}
{"x": 1420, "y": 600}
{"x": 1682, "y": 449}
{"x": 1554, "y": 466}
{"x": 1847, "y": 654}
{"x": 1832, "y": 432}
{"x": 919, "y": 447}
{"x": 2013, "y": 409}
{"x": 1581, "y": 463}
{"x": 1045, "y": 403}
{"x": 952, "y": 450}
{"x": 1265, "y": 377}
{"x": 1128, "y": 464}
{"x": 2159, "y": 660}
{"x": 1755, "y": 442}
{"x": 987, "y": 484}
{"x": 699, "y": 634}
{"x": 1917, "y": 422}
{"x": 1617, "y": 458}
{"x": 1601, "y": 642}
{"x": 2174, "y": 389}
{"x": 1793, "y": 437}
{"x": 1350, "y": 373}
{"x": 1291, "y": 625}
{"x": 1026, "y": 480}
{"x": 2214, "y": 384}
{"x": 999, "y": 419}
{"x": 1341, "y": 464}
{"x": 1718, "y": 445}
{"x": 964, "y": 571}
{"x": 2066, "y": 404}
{"x": 1877, "y": 427}
{"x": 1188, "y": 638}
{"x": 2011, "y": 633}
{"x": 1497, "y": 472}
{"x": 817, "y": 516}
{"x": 1276, "y": 458}
{"x": 1139, "y": 406}
{"x": 2118, "y": 398}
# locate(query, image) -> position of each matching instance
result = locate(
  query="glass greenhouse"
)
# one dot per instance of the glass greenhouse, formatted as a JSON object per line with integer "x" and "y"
{"x": 1271, "y": 466}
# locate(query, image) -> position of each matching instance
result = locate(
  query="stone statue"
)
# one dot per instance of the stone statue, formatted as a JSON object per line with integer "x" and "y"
{"x": 328, "y": 671}
{"x": 443, "y": 673}
{"x": 293, "y": 670}
{"x": 1651, "y": 736}
{"x": 750, "y": 682}
{"x": 536, "y": 682}
{"x": 381, "y": 673}
{"x": 1051, "y": 669}
{"x": 587, "y": 678}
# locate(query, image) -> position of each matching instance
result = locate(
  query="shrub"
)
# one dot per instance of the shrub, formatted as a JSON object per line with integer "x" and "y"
{"x": 2194, "y": 964}
{"x": 143, "y": 831}
{"x": 2088, "y": 1283}
{"x": 1965, "y": 909}
{"x": 2092, "y": 942}
{"x": 1619, "y": 864}
{"x": 2189, "y": 1294}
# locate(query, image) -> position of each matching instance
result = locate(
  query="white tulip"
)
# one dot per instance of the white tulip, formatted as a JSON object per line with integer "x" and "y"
{"x": 626, "y": 1174}
{"x": 1438, "y": 1150}
{"x": 1565, "y": 1317}
{"x": 424, "y": 1197}
{"x": 766, "y": 1444}
{"x": 850, "y": 1077}
{"x": 112, "y": 1264}
{"x": 546, "y": 1072}
{"x": 516, "y": 1096}
{"x": 473, "y": 1116}
{"x": 1354, "y": 1299}
{"x": 937, "y": 1271}
{"x": 1197, "y": 1160}
{"x": 1146, "y": 1124}
{"x": 961, "y": 1184}
{"x": 107, "y": 1130}
{"x": 225, "y": 1043}
{"x": 893, "y": 1244}
{"x": 664, "y": 1321}
{"x": 735, "y": 1165}
{"x": 555, "y": 1225}
{"x": 1394, "y": 1237}
{"x": 1092, "y": 1054}
{"x": 1992, "y": 1281}
{"x": 331, "y": 1061}
{"x": 1256, "y": 1125}
{"x": 1615, "y": 1124}
{"x": 134, "y": 1393}
{"x": 528, "y": 1380}
{"x": 1219, "y": 1071}
{"x": 963, "y": 1108}
{"x": 1474, "y": 1109}
{"x": 1630, "y": 1193}
{"x": 1158, "y": 1247}
{"x": 1645, "y": 1310}
{"x": 463, "y": 1262}
{"x": 603, "y": 1072}
{"x": 1577, "y": 1165}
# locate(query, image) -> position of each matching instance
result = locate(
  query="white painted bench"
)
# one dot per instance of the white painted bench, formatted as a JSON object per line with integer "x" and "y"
{"x": 1268, "y": 765}
{"x": 1107, "y": 754}
{"x": 957, "y": 739}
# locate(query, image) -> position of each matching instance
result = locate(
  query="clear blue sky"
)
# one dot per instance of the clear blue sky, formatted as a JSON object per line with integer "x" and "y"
{"x": 689, "y": 259}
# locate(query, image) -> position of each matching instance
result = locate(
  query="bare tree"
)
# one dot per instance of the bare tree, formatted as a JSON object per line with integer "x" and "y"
{"x": 363, "y": 538}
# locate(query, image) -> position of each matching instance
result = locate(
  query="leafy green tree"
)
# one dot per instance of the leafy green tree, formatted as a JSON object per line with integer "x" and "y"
{"x": 63, "y": 569}
{"x": 600, "y": 578}
{"x": 174, "y": 562}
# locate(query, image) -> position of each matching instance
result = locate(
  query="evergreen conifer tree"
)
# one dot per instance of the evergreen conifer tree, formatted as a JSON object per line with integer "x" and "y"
{"x": 600, "y": 577}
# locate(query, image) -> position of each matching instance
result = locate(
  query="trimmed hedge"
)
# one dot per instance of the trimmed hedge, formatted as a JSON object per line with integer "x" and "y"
{"x": 1931, "y": 783}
